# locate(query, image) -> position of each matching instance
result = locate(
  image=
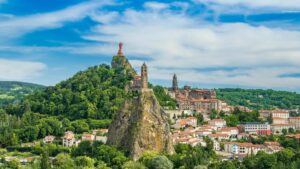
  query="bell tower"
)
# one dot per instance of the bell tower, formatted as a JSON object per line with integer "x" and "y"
{"x": 174, "y": 83}
{"x": 144, "y": 74}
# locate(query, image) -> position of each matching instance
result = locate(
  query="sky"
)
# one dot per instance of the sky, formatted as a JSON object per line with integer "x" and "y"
{"x": 207, "y": 43}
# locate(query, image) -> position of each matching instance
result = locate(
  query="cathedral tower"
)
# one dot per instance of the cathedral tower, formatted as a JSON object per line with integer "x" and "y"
{"x": 144, "y": 74}
{"x": 175, "y": 83}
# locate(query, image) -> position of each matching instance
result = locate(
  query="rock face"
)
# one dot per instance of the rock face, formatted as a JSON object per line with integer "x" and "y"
{"x": 141, "y": 126}
{"x": 121, "y": 62}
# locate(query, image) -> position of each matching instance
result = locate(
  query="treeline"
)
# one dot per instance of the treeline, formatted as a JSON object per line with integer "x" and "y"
{"x": 259, "y": 99}
{"x": 96, "y": 155}
{"x": 33, "y": 126}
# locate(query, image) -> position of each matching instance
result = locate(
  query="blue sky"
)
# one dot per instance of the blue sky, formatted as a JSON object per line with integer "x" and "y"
{"x": 208, "y": 43}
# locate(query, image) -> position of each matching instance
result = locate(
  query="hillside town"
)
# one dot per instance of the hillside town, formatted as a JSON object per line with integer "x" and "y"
{"x": 229, "y": 142}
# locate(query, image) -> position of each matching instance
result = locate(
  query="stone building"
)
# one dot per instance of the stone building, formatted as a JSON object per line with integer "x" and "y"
{"x": 196, "y": 100}
{"x": 140, "y": 82}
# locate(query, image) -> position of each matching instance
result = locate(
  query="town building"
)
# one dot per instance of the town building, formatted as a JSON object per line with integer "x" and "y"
{"x": 242, "y": 149}
{"x": 278, "y": 113}
{"x": 88, "y": 137}
{"x": 69, "y": 139}
{"x": 277, "y": 128}
{"x": 48, "y": 139}
{"x": 219, "y": 123}
{"x": 295, "y": 121}
{"x": 231, "y": 131}
{"x": 203, "y": 101}
{"x": 218, "y": 137}
{"x": 255, "y": 128}
{"x": 181, "y": 123}
{"x": 279, "y": 120}
{"x": 297, "y": 136}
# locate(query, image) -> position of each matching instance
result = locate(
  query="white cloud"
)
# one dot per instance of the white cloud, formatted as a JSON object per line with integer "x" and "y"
{"x": 257, "y": 3}
{"x": 183, "y": 44}
{"x": 155, "y": 5}
{"x": 17, "y": 26}
{"x": 20, "y": 70}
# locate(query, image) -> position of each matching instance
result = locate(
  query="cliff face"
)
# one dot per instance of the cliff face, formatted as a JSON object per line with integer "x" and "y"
{"x": 141, "y": 126}
{"x": 120, "y": 61}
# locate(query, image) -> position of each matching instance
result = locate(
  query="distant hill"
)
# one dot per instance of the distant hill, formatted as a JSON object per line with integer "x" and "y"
{"x": 259, "y": 99}
{"x": 13, "y": 92}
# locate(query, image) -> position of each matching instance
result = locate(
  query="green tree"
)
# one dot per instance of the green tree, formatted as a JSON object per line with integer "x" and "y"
{"x": 13, "y": 164}
{"x": 200, "y": 118}
{"x": 160, "y": 162}
{"x": 213, "y": 114}
{"x": 45, "y": 162}
{"x": 63, "y": 161}
{"x": 84, "y": 161}
{"x": 84, "y": 149}
{"x": 133, "y": 165}
{"x": 111, "y": 156}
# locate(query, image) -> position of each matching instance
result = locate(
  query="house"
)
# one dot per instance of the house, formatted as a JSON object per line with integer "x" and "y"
{"x": 297, "y": 136}
{"x": 255, "y": 128}
{"x": 203, "y": 132}
{"x": 272, "y": 147}
{"x": 219, "y": 123}
{"x": 216, "y": 145}
{"x": 103, "y": 139}
{"x": 232, "y": 131}
{"x": 26, "y": 160}
{"x": 88, "y": 137}
{"x": 48, "y": 139}
{"x": 218, "y": 136}
{"x": 69, "y": 139}
{"x": 237, "y": 148}
{"x": 100, "y": 132}
{"x": 181, "y": 123}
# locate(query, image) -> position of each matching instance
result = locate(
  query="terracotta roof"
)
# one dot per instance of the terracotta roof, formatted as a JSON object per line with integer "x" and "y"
{"x": 200, "y": 91}
{"x": 273, "y": 143}
{"x": 294, "y": 136}
{"x": 218, "y": 135}
{"x": 217, "y": 120}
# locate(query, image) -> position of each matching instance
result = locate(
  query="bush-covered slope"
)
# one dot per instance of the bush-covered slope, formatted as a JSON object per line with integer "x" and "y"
{"x": 13, "y": 92}
{"x": 260, "y": 99}
{"x": 95, "y": 93}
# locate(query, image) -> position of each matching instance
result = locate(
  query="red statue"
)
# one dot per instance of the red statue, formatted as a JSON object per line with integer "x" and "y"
{"x": 120, "y": 49}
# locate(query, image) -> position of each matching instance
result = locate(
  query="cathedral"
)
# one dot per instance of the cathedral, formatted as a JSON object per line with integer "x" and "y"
{"x": 194, "y": 99}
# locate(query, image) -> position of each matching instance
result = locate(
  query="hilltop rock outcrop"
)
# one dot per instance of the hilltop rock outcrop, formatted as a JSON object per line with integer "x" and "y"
{"x": 141, "y": 126}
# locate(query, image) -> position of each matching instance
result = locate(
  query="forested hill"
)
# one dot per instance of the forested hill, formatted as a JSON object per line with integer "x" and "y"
{"x": 259, "y": 99}
{"x": 13, "y": 92}
{"x": 94, "y": 93}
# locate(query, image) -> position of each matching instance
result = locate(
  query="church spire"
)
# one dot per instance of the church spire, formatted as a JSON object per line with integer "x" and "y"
{"x": 120, "y": 53}
{"x": 175, "y": 83}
